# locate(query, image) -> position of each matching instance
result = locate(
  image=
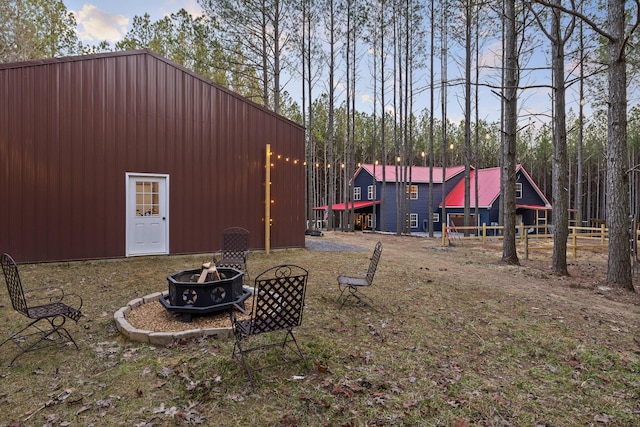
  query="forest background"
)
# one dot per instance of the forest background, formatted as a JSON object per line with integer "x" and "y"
{"x": 396, "y": 82}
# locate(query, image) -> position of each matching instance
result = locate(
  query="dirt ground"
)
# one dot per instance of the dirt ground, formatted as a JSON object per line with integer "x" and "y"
{"x": 587, "y": 272}
{"x": 533, "y": 278}
{"x": 455, "y": 338}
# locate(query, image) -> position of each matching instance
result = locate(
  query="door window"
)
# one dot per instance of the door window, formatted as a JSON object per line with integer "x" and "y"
{"x": 147, "y": 198}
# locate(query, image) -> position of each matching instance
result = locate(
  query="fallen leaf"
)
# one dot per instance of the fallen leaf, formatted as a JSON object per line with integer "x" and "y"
{"x": 409, "y": 404}
{"x": 460, "y": 423}
{"x": 339, "y": 389}
{"x": 603, "y": 418}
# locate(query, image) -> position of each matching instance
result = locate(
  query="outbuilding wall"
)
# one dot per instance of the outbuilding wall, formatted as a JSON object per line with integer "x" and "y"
{"x": 71, "y": 128}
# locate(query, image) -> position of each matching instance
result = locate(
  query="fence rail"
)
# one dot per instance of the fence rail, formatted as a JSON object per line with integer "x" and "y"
{"x": 531, "y": 237}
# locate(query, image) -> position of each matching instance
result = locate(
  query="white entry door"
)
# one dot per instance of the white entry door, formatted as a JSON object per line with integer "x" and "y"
{"x": 147, "y": 214}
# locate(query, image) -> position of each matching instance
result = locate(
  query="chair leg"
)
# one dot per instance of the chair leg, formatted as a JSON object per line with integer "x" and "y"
{"x": 356, "y": 294}
{"x": 297, "y": 349}
{"x": 343, "y": 290}
{"x": 238, "y": 351}
{"x": 62, "y": 334}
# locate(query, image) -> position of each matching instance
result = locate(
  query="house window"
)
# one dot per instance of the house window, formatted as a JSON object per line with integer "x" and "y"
{"x": 371, "y": 192}
{"x": 413, "y": 220}
{"x": 518, "y": 190}
{"x": 357, "y": 193}
{"x": 436, "y": 217}
{"x": 411, "y": 191}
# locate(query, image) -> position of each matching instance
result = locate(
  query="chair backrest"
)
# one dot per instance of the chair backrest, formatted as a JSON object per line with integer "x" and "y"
{"x": 278, "y": 298}
{"x": 373, "y": 266}
{"x": 235, "y": 243}
{"x": 14, "y": 285}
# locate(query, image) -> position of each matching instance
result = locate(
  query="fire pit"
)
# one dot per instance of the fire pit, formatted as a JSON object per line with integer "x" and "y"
{"x": 188, "y": 297}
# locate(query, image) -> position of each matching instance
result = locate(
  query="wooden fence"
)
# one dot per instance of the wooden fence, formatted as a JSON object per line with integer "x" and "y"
{"x": 531, "y": 238}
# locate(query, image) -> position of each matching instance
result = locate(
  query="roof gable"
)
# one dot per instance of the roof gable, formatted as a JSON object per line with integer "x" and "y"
{"x": 149, "y": 55}
{"x": 488, "y": 188}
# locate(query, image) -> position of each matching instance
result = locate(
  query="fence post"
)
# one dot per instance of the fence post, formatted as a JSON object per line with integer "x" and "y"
{"x": 602, "y": 234}
{"x": 526, "y": 245}
{"x": 574, "y": 238}
{"x": 484, "y": 233}
{"x": 444, "y": 234}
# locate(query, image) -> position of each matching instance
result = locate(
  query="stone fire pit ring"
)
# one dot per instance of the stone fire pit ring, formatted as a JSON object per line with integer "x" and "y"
{"x": 160, "y": 338}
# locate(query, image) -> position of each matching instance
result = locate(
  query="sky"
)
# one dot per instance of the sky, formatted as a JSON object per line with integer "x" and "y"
{"x": 110, "y": 20}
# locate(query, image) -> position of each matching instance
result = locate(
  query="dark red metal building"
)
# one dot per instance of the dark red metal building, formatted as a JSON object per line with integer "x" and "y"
{"x": 127, "y": 153}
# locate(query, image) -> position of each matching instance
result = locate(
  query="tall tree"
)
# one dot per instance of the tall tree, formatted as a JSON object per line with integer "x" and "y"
{"x": 617, "y": 206}
{"x": 36, "y": 29}
{"x": 510, "y": 100}
{"x": 331, "y": 28}
{"x": 258, "y": 30}
{"x": 619, "y": 267}
{"x": 185, "y": 40}
{"x": 560, "y": 200}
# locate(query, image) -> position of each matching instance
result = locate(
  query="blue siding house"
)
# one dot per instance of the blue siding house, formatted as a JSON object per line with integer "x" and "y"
{"x": 368, "y": 201}
{"x": 368, "y": 188}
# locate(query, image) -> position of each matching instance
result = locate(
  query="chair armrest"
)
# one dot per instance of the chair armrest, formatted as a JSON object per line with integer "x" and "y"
{"x": 53, "y": 294}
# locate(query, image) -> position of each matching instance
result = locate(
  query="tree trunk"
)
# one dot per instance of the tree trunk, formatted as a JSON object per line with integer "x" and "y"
{"x": 617, "y": 206}
{"x": 559, "y": 167}
{"x": 509, "y": 253}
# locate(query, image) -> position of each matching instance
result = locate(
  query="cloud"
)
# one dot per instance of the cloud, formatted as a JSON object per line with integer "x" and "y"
{"x": 95, "y": 25}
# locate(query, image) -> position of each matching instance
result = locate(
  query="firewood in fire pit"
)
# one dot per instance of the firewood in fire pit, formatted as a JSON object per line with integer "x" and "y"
{"x": 208, "y": 268}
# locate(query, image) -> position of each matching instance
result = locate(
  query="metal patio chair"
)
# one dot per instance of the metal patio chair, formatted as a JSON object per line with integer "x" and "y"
{"x": 278, "y": 303}
{"x": 235, "y": 250}
{"x": 350, "y": 286}
{"x": 48, "y": 309}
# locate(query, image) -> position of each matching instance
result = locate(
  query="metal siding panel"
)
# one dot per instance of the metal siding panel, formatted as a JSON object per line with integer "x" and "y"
{"x": 12, "y": 242}
{"x": 41, "y": 160}
{"x": 85, "y": 168}
{"x": 112, "y": 186}
{"x": 27, "y": 156}
{"x": 97, "y": 164}
{"x": 130, "y": 118}
{"x": 5, "y": 105}
{"x": 138, "y": 125}
{"x": 53, "y": 206}
{"x": 76, "y": 208}
{"x": 152, "y": 114}
{"x": 63, "y": 189}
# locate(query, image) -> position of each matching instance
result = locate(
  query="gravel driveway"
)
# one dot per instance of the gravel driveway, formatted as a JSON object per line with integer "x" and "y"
{"x": 321, "y": 245}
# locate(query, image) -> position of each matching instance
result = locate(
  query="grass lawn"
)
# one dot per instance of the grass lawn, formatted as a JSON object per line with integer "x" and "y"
{"x": 457, "y": 339}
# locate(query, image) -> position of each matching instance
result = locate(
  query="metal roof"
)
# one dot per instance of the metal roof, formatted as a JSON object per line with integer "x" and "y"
{"x": 419, "y": 174}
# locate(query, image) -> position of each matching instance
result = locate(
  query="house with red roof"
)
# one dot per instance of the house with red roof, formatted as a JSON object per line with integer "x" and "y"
{"x": 376, "y": 190}
{"x": 531, "y": 203}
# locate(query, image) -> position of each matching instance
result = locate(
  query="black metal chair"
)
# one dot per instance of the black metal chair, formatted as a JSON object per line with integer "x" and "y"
{"x": 47, "y": 309}
{"x": 278, "y": 303}
{"x": 235, "y": 250}
{"x": 351, "y": 285}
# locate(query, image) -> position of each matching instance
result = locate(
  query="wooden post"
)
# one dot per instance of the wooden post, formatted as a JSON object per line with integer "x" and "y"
{"x": 526, "y": 245}
{"x": 484, "y": 233}
{"x": 444, "y": 234}
{"x": 267, "y": 202}
{"x": 574, "y": 238}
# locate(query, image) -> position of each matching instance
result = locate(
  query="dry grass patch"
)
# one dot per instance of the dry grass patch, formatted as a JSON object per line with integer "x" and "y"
{"x": 457, "y": 339}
